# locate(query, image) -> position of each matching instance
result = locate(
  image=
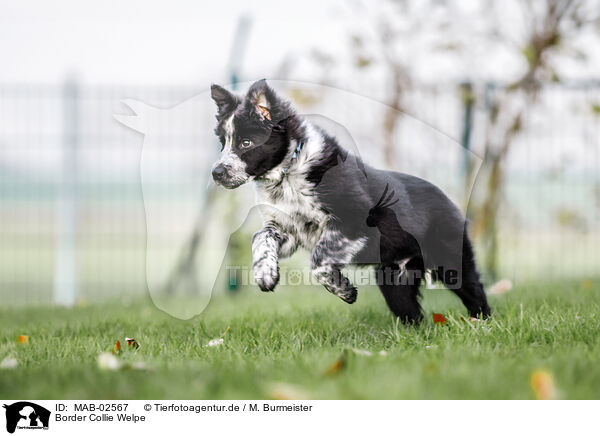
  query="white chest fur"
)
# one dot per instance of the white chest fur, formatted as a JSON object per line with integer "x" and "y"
{"x": 293, "y": 205}
{"x": 288, "y": 197}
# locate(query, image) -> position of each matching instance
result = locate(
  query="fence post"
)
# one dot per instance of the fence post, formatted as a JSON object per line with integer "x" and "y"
{"x": 238, "y": 49}
{"x": 468, "y": 99}
{"x": 65, "y": 274}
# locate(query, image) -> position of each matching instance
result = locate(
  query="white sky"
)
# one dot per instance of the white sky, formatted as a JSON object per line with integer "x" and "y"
{"x": 136, "y": 42}
{"x": 186, "y": 42}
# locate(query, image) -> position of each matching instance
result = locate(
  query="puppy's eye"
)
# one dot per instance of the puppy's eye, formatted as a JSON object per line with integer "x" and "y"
{"x": 246, "y": 143}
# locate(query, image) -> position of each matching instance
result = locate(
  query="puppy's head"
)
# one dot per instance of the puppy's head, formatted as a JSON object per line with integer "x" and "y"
{"x": 254, "y": 132}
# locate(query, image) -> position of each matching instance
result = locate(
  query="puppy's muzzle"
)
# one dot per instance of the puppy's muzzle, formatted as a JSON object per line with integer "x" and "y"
{"x": 223, "y": 175}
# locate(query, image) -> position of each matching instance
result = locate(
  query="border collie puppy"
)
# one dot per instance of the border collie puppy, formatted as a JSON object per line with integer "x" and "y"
{"x": 316, "y": 195}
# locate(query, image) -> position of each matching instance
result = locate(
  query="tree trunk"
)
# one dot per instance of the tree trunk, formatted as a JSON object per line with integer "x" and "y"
{"x": 489, "y": 216}
{"x": 392, "y": 116}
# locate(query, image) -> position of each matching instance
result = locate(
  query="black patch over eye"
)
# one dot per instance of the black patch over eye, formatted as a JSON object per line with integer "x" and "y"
{"x": 245, "y": 143}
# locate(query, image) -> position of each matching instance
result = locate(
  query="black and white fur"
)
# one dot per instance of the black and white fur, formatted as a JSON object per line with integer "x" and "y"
{"x": 316, "y": 195}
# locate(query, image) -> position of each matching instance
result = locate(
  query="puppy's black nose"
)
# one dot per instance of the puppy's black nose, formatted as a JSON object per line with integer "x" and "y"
{"x": 219, "y": 173}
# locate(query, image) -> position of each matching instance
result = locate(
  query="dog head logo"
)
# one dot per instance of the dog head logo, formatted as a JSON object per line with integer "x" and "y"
{"x": 26, "y": 415}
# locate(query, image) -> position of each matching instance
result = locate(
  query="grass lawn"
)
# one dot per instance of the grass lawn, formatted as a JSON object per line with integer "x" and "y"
{"x": 281, "y": 345}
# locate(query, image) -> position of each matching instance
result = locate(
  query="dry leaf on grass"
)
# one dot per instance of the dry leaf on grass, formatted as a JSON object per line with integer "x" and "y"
{"x": 337, "y": 366}
{"x": 132, "y": 343}
{"x": 500, "y": 287}
{"x": 284, "y": 391}
{"x": 438, "y": 318}
{"x": 138, "y": 366}
{"x": 108, "y": 361}
{"x": 360, "y": 352}
{"x": 542, "y": 384}
{"x": 8, "y": 363}
{"x": 472, "y": 319}
{"x": 215, "y": 342}
{"x": 218, "y": 341}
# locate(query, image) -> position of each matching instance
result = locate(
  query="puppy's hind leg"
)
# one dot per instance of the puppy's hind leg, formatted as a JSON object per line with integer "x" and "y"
{"x": 401, "y": 290}
{"x": 470, "y": 290}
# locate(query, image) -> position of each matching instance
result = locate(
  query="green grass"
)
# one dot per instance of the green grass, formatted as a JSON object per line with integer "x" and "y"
{"x": 292, "y": 337}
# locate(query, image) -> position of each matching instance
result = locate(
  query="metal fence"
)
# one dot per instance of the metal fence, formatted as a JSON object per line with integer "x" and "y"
{"x": 72, "y": 214}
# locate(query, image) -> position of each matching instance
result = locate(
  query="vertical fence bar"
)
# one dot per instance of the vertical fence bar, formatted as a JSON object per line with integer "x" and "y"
{"x": 467, "y": 99}
{"x": 65, "y": 275}
{"x": 238, "y": 49}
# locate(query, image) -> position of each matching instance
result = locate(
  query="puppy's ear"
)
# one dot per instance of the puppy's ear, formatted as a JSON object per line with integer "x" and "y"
{"x": 225, "y": 100}
{"x": 263, "y": 98}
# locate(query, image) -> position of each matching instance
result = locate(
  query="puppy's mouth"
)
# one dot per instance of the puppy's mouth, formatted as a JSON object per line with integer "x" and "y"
{"x": 230, "y": 184}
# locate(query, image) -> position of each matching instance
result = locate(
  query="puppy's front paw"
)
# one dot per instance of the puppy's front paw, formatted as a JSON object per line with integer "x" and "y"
{"x": 266, "y": 274}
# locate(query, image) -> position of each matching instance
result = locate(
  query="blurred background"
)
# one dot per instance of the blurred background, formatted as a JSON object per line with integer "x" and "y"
{"x": 496, "y": 102}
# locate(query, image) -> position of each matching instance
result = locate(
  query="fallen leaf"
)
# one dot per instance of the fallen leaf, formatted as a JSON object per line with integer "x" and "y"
{"x": 215, "y": 342}
{"x": 140, "y": 366}
{"x": 23, "y": 339}
{"x": 108, "y": 361}
{"x": 8, "y": 363}
{"x": 136, "y": 366}
{"x": 132, "y": 343}
{"x": 284, "y": 391}
{"x": 500, "y": 287}
{"x": 337, "y": 366}
{"x": 361, "y": 352}
{"x": 218, "y": 341}
{"x": 438, "y": 318}
{"x": 542, "y": 384}
{"x": 117, "y": 348}
{"x": 471, "y": 319}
